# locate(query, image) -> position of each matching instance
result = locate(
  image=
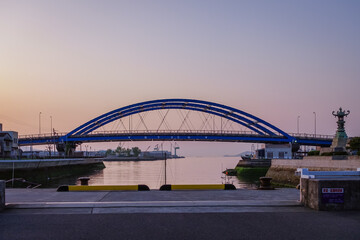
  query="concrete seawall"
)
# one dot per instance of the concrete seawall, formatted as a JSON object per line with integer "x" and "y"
{"x": 283, "y": 170}
{"x": 33, "y": 164}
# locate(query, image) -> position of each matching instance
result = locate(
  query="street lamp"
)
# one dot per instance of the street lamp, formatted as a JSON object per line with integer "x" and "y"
{"x": 51, "y": 133}
{"x": 314, "y": 123}
{"x": 298, "y": 124}
{"x": 39, "y": 123}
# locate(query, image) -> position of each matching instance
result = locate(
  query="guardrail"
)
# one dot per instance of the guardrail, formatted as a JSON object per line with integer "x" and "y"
{"x": 309, "y": 135}
{"x": 305, "y": 173}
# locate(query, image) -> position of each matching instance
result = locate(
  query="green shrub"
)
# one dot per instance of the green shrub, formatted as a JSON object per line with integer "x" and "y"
{"x": 327, "y": 154}
{"x": 355, "y": 143}
{"x": 314, "y": 153}
{"x": 358, "y": 153}
{"x": 340, "y": 153}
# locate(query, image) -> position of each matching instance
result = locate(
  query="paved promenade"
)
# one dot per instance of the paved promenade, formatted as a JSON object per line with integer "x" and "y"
{"x": 239, "y": 214}
{"x": 48, "y": 200}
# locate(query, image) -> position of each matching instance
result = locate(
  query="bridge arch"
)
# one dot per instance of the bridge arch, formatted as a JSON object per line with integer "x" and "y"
{"x": 245, "y": 119}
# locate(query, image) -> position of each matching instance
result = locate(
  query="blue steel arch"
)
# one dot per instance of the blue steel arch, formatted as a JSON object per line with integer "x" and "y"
{"x": 238, "y": 116}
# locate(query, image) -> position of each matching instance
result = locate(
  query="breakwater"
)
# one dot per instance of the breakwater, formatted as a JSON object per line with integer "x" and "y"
{"x": 46, "y": 171}
{"x": 34, "y": 164}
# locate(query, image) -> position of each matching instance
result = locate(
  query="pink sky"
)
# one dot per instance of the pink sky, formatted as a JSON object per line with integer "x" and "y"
{"x": 76, "y": 60}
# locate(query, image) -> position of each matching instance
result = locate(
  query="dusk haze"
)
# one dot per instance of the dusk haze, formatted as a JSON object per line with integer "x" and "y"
{"x": 99, "y": 98}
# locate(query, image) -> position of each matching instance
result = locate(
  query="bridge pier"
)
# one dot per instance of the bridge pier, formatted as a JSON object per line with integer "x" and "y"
{"x": 66, "y": 149}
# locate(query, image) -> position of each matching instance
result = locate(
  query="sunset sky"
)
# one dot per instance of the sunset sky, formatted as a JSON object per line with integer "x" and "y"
{"x": 75, "y": 60}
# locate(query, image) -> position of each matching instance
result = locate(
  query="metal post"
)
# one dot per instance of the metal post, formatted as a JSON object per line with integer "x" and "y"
{"x": 298, "y": 124}
{"x": 39, "y": 123}
{"x": 165, "y": 167}
{"x": 51, "y": 134}
{"x": 221, "y": 125}
{"x": 315, "y": 124}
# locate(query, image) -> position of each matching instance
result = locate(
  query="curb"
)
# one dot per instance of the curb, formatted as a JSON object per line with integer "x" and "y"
{"x": 169, "y": 187}
{"x": 71, "y": 188}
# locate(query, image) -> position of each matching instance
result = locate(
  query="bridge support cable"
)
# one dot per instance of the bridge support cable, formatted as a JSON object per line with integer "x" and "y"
{"x": 235, "y": 115}
{"x": 222, "y": 113}
{"x": 167, "y": 125}
{"x": 143, "y": 122}
{"x": 205, "y": 121}
{"x": 163, "y": 119}
{"x": 184, "y": 119}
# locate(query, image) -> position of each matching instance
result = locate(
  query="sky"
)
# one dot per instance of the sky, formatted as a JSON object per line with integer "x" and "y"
{"x": 75, "y": 60}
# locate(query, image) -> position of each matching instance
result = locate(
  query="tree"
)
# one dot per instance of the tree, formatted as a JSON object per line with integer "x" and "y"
{"x": 136, "y": 151}
{"x": 355, "y": 144}
{"x": 109, "y": 152}
{"x": 119, "y": 150}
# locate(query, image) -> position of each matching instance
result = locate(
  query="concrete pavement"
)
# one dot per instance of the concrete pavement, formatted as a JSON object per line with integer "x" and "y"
{"x": 239, "y": 214}
{"x": 48, "y": 200}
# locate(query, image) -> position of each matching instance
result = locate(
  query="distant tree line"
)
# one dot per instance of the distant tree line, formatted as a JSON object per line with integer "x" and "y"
{"x": 126, "y": 152}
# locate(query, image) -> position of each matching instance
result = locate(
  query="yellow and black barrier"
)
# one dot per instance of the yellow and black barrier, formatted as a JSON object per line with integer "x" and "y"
{"x": 72, "y": 188}
{"x": 169, "y": 187}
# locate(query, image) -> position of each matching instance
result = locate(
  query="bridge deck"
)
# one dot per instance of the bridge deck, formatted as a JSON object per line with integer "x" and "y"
{"x": 226, "y": 136}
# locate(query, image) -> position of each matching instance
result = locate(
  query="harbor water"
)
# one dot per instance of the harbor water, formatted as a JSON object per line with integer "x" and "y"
{"x": 189, "y": 170}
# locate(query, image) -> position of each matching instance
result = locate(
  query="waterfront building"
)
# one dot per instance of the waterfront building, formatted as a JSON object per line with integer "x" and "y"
{"x": 271, "y": 151}
{"x": 155, "y": 154}
{"x": 9, "y": 147}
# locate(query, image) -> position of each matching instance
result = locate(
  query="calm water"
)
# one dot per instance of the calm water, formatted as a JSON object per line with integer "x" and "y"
{"x": 190, "y": 170}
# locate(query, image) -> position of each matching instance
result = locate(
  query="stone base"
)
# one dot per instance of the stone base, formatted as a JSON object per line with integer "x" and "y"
{"x": 317, "y": 194}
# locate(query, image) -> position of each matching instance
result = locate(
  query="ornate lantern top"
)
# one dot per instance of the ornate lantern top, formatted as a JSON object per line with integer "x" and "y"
{"x": 341, "y": 113}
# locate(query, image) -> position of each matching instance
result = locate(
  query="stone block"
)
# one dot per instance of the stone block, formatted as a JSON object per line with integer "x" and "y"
{"x": 330, "y": 194}
{"x": 2, "y": 195}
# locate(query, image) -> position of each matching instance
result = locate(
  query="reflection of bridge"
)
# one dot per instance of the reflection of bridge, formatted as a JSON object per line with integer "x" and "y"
{"x": 215, "y": 122}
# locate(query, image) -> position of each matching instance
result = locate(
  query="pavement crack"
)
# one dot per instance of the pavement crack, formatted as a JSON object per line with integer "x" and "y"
{"x": 103, "y": 197}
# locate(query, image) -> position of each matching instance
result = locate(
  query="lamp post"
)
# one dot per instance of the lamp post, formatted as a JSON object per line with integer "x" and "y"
{"x": 39, "y": 123}
{"x": 314, "y": 124}
{"x": 51, "y": 133}
{"x": 298, "y": 124}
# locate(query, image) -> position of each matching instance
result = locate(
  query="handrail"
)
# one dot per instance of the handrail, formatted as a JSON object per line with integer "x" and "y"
{"x": 47, "y": 135}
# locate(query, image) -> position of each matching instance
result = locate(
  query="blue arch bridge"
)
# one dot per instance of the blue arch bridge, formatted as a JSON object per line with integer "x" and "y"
{"x": 214, "y": 122}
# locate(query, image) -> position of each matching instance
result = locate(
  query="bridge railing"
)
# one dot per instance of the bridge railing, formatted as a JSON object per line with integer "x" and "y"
{"x": 174, "y": 132}
{"x": 43, "y": 135}
{"x": 309, "y": 135}
{"x": 114, "y": 132}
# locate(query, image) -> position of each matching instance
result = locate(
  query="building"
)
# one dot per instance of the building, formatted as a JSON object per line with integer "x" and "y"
{"x": 9, "y": 147}
{"x": 155, "y": 154}
{"x": 272, "y": 151}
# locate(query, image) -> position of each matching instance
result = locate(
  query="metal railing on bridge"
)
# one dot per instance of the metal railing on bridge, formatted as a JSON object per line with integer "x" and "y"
{"x": 216, "y": 132}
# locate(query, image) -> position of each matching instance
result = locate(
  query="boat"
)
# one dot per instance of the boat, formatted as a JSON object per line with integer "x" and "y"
{"x": 230, "y": 172}
{"x": 246, "y": 157}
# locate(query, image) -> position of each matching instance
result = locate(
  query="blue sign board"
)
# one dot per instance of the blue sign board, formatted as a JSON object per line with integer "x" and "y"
{"x": 332, "y": 195}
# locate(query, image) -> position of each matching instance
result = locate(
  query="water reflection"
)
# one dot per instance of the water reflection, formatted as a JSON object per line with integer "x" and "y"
{"x": 190, "y": 170}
